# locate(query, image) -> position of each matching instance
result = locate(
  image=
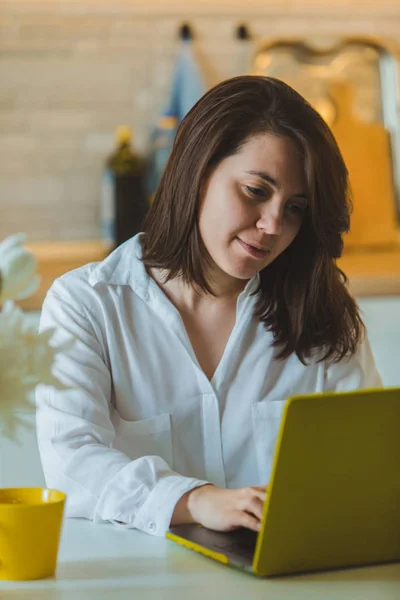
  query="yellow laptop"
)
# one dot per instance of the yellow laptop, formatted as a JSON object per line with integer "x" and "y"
{"x": 334, "y": 496}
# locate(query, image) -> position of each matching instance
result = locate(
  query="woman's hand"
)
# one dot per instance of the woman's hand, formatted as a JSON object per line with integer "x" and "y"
{"x": 220, "y": 509}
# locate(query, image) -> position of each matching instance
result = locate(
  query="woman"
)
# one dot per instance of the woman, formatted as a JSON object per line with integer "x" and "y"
{"x": 191, "y": 336}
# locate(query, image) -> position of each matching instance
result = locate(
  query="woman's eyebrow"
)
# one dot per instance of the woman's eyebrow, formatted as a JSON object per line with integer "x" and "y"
{"x": 274, "y": 182}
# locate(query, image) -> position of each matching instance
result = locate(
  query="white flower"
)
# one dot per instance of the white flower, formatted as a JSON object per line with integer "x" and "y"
{"x": 26, "y": 359}
{"x": 17, "y": 269}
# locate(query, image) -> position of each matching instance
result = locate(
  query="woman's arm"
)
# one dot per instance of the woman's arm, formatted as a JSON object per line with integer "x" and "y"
{"x": 75, "y": 432}
{"x": 357, "y": 372}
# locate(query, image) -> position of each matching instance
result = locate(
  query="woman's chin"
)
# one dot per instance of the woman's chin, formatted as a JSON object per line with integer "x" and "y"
{"x": 244, "y": 272}
{"x": 240, "y": 269}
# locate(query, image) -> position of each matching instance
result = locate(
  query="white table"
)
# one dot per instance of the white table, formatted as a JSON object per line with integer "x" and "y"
{"x": 102, "y": 562}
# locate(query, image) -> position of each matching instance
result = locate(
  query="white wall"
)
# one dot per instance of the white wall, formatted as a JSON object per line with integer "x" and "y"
{"x": 382, "y": 317}
{"x": 72, "y": 70}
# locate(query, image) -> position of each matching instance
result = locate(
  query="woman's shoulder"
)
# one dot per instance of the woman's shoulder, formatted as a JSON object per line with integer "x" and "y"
{"x": 93, "y": 281}
{"x": 356, "y": 371}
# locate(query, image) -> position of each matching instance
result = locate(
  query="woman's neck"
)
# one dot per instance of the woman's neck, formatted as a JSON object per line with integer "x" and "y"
{"x": 190, "y": 297}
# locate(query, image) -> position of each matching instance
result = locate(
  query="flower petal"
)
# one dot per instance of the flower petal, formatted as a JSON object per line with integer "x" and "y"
{"x": 11, "y": 241}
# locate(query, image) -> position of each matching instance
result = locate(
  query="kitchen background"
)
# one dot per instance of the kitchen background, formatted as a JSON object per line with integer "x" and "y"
{"x": 73, "y": 70}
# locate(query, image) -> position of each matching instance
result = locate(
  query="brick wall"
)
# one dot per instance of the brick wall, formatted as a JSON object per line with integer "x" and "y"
{"x": 71, "y": 71}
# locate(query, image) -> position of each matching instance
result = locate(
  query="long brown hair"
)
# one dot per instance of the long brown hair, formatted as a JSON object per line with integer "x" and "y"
{"x": 302, "y": 297}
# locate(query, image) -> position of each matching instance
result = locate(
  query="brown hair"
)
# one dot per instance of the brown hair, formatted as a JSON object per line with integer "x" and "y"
{"x": 302, "y": 296}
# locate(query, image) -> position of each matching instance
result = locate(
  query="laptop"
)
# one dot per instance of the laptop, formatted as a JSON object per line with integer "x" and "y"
{"x": 333, "y": 500}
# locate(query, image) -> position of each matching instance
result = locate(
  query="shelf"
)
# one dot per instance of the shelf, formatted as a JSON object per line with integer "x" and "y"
{"x": 55, "y": 259}
{"x": 370, "y": 273}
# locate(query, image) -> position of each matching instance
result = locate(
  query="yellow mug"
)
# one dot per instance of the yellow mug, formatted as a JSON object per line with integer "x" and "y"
{"x": 30, "y": 527}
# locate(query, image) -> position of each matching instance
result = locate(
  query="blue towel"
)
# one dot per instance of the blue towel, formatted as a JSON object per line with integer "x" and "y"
{"x": 187, "y": 85}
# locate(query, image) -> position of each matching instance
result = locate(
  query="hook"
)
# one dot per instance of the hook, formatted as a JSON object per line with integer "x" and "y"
{"x": 185, "y": 32}
{"x": 242, "y": 32}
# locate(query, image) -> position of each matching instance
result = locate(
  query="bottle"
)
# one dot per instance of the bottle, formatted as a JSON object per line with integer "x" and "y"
{"x": 163, "y": 139}
{"x": 123, "y": 200}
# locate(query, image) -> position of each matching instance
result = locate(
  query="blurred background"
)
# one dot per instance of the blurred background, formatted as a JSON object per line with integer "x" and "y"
{"x": 91, "y": 93}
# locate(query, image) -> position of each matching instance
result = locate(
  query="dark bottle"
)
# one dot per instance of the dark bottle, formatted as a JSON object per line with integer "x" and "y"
{"x": 123, "y": 201}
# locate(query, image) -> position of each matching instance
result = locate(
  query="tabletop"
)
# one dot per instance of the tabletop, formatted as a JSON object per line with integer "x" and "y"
{"x": 102, "y": 561}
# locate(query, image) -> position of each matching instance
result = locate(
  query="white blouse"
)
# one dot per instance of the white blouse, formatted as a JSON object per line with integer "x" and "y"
{"x": 141, "y": 424}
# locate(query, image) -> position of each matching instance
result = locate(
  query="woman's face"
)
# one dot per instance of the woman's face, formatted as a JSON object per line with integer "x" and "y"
{"x": 253, "y": 206}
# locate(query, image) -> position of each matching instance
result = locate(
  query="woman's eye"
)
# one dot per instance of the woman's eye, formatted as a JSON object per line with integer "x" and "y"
{"x": 296, "y": 208}
{"x": 255, "y": 191}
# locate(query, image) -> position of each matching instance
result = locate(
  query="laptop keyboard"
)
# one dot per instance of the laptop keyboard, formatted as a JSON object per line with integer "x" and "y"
{"x": 239, "y": 544}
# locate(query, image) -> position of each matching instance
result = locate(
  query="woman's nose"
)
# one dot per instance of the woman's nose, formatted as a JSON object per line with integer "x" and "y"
{"x": 271, "y": 221}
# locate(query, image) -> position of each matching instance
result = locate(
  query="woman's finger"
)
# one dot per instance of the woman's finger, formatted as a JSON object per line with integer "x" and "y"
{"x": 255, "y": 507}
{"x": 251, "y": 503}
{"x": 248, "y": 521}
{"x": 261, "y": 495}
{"x": 248, "y": 494}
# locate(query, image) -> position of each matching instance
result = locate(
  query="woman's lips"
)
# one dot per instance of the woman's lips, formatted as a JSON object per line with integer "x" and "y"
{"x": 252, "y": 250}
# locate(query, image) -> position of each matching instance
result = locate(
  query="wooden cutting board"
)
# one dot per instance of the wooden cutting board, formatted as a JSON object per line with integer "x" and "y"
{"x": 366, "y": 151}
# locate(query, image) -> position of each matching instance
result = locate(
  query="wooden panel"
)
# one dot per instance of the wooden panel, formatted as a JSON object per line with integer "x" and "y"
{"x": 366, "y": 151}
